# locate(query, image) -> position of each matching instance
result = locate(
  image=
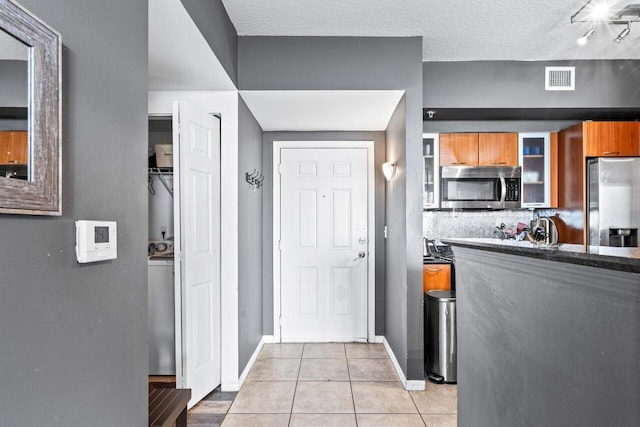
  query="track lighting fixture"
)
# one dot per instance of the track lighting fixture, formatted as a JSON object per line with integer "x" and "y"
{"x": 583, "y": 40}
{"x": 623, "y": 34}
{"x": 600, "y": 12}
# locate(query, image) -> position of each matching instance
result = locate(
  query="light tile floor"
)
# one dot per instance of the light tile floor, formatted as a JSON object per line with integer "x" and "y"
{"x": 331, "y": 384}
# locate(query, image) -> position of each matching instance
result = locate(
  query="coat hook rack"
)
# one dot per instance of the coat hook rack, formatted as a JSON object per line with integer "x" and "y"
{"x": 255, "y": 179}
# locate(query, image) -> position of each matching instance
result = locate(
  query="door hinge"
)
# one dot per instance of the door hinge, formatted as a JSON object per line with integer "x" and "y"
{"x": 279, "y": 168}
{"x": 279, "y": 245}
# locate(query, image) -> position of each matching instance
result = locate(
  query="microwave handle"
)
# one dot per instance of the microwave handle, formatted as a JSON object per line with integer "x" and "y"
{"x": 503, "y": 184}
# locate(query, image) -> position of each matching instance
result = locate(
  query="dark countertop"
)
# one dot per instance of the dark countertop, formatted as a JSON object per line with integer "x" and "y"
{"x": 436, "y": 260}
{"x": 611, "y": 258}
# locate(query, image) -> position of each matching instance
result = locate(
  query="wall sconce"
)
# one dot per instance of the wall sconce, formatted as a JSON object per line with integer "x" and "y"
{"x": 389, "y": 170}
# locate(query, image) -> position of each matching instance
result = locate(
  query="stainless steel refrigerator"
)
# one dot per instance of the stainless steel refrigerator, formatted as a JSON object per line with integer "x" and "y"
{"x": 613, "y": 198}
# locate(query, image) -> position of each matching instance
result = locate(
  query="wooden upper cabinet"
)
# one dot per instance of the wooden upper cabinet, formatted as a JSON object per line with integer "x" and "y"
{"x": 19, "y": 148}
{"x": 5, "y": 143}
{"x": 611, "y": 139}
{"x": 498, "y": 149}
{"x": 459, "y": 149}
{"x": 14, "y": 147}
{"x": 436, "y": 276}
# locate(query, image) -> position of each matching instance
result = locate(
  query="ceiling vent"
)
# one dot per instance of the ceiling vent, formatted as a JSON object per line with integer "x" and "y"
{"x": 559, "y": 78}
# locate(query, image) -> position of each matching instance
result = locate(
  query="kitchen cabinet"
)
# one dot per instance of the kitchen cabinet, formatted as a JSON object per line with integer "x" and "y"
{"x": 536, "y": 151}
{"x": 479, "y": 149}
{"x": 610, "y": 139}
{"x": 458, "y": 149}
{"x": 575, "y": 145}
{"x": 14, "y": 148}
{"x": 436, "y": 276}
{"x": 431, "y": 171}
{"x": 498, "y": 149}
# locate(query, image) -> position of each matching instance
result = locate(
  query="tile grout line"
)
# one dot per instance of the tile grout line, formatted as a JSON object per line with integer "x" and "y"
{"x": 417, "y": 409}
{"x": 295, "y": 389}
{"x": 353, "y": 399}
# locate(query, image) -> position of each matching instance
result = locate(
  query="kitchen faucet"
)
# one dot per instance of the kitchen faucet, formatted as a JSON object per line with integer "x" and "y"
{"x": 427, "y": 250}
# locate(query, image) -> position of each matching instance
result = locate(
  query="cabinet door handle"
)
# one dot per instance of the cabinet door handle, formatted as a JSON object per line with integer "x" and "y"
{"x": 428, "y": 270}
{"x": 499, "y": 163}
{"x": 610, "y": 152}
{"x": 458, "y": 163}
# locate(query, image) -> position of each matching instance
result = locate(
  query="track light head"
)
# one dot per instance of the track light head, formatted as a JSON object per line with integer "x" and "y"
{"x": 583, "y": 40}
{"x": 623, "y": 34}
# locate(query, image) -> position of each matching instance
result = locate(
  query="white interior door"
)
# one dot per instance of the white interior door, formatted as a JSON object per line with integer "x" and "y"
{"x": 323, "y": 244}
{"x": 197, "y": 208}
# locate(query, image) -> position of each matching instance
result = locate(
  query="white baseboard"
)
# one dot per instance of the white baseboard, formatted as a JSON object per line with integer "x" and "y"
{"x": 378, "y": 339}
{"x": 268, "y": 339}
{"x": 407, "y": 384}
{"x": 230, "y": 386}
{"x": 264, "y": 340}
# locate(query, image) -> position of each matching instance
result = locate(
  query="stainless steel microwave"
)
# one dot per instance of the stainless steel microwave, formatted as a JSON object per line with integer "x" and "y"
{"x": 480, "y": 187}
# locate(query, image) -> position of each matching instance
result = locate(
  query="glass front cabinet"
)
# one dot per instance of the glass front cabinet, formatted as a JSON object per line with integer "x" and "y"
{"x": 534, "y": 152}
{"x": 431, "y": 178}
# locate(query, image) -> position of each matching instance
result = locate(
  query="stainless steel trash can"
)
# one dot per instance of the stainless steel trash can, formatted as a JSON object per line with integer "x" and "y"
{"x": 440, "y": 336}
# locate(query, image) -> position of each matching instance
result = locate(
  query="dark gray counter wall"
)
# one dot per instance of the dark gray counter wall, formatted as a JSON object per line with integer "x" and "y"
{"x": 74, "y": 338}
{"x": 551, "y": 343}
{"x": 212, "y": 20}
{"x": 250, "y": 213}
{"x": 358, "y": 63}
{"x": 14, "y": 83}
{"x": 378, "y": 139}
{"x": 520, "y": 84}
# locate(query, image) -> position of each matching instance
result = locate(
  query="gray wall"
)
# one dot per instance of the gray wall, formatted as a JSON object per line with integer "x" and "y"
{"x": 250, "y": 247}
{"x": 329, "y": 63}
{"x": 520, "y": 84}
{"x": 336, "y": 63}
{"x": 14, "y": 83}
{"x": 267, "y": 254}
{"x": 212, "y": 20}
{"x": 74, "y": 350}
{"x": 545, "y": 343}
{"x": 396, "y": 278}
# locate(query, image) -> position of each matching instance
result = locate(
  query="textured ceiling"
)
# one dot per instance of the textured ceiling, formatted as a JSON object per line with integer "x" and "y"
{"x": 452, "y": 30}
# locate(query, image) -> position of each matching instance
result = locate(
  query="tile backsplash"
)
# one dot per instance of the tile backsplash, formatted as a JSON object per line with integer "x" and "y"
{"x": 481, "y": 224}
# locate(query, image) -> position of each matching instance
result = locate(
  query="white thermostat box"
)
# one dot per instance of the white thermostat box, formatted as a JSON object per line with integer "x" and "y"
{"x": 96, "y": 241}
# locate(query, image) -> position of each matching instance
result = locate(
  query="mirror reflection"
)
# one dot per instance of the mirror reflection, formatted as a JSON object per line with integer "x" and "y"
{"x": 14, "y": 105}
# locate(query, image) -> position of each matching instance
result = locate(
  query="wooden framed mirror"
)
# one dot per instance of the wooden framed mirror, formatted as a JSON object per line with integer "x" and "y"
{"x": 30, "y": 140}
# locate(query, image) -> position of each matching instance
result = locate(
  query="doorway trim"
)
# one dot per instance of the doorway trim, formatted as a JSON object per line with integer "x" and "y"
{"x": 224, "y": 103}
{"x": 371, "y": 267}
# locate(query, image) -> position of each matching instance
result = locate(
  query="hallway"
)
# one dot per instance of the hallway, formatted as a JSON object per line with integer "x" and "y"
{"x": 331, "y": 384}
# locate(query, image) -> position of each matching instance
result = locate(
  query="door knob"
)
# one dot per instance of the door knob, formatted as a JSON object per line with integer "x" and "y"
{"x": 361, "y": 254}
